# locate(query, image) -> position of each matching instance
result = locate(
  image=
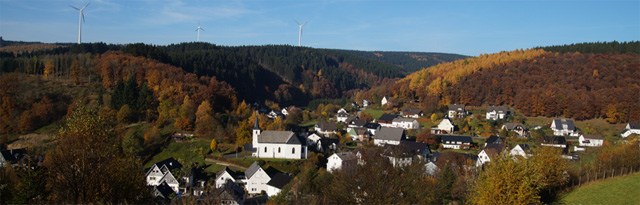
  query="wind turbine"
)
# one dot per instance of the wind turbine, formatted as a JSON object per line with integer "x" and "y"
{"x": 198, "y": 30}
{"x": 300, "y": 32}
{"x": 80, "y": 20}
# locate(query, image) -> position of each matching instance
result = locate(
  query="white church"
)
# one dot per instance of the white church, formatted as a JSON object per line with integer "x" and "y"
{"x": 277, "y": 144}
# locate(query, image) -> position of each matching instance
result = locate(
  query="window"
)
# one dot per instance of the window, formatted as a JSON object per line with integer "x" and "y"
{"x": 278, "y": 149}
{"x": 293, "y": 150}
{"x": 265, "y": 149}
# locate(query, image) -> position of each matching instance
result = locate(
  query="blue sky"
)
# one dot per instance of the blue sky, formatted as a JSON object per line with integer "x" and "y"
{"x": 463, "y": 27}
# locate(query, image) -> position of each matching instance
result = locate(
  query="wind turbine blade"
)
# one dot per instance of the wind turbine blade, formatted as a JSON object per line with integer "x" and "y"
{"x": 85, "y": 6}
{"x": 305, "y": 23}
{"x": 202, "y": 29}
{"x": 297, "y": 22}
{"x": 74, "y": 7}
{"x": 82, "y": 16}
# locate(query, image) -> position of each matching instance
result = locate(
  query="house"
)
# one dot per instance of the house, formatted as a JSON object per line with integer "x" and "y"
{"x": 494, "y": 140}
{"x": 372, "y": 127}
{"x": 404, "y": 153}
{"x": 389, "y": 135}
{"x": 341, "y": 160}
{"x": 554, "y": 141}
{"x": 180, "y": 137}
{"x": 12, "y": 157}
{"x": 631, "y": 128}
{"x": 257, "y": 178}
{"x": 326, "y": 144}
{"x": 444, "y": 127}
{"x": 412, "y": 113}
{"x": 497, "y": 113}
{"x": 342, "y": 115}
{"x": 457, "y": 111}
{"x": 405, "y": 123}
{"x": 162, "y": 192}
{"x": 386, "y": 120}
{"x": 522, "y": 150}
{"x": 284, "y": 111}
{"x": 591, "y": 140}
{"x": 489, "y": 152}
{"x": 359, "y": 133}
{"x": 277, "y": 183}
{"x": 313, "y": 139}
{"x": 161, "y": 172}
{"x": 431, "y": 168}
{"x": 562, "y": 127}
{"x": 365, "y": 103}
{"x": 275, "y": 114}
{"x": 455, "y": 142}
{"x": 230, "y": 194}
{"x": 353, "y": 121}
{"x": 227, "y": 176}
{"x": 277, "y": 144}
{"x": 388, "y": 101}
{"x": 517, "y": 128}
{"x": 326, "y": 128}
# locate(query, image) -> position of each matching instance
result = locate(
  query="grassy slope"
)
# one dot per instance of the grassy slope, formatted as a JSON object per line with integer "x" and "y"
{"x": 620, "y": 190}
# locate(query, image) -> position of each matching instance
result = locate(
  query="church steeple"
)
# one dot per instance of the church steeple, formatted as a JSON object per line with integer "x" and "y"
{"x": 256, "y": 131}
{"x": 256, "y": 125}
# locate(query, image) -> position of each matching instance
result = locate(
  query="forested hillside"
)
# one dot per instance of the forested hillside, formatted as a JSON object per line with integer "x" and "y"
{"x": 537, "y": 82}
{"x": 599, "y": 47}
{"x": 409, "y": 62}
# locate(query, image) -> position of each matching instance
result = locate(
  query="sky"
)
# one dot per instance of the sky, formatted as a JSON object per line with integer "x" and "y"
{"x": 467, "y": 27}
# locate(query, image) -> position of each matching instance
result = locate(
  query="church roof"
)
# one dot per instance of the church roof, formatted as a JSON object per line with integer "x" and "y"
{"x": 278, "y": 137}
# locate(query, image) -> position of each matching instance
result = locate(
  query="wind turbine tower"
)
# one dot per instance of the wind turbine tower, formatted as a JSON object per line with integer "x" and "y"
{"x": 198, "y": 30}
{"x": 80, "y": 20}
{"x": 300, "y": 32}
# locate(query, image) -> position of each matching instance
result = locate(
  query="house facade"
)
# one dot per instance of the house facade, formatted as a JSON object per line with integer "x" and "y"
{"x": 346, "y": 160}
{"x": 522, "y": 150}
{"x": 405, "y": 123}
{"x": 275, "y": 185}
{"x": 591, "y": 140}
{"x": 497, "y": 113}
{"x": 403, "y": 154}
{"x": 455, "y": 142}
{"x": 444, "y": 127}
{"x": 257, "y": 179}
{"x": 326, "y": 128}
{"x": 457, "y": 111}
{"x": 562, "y": 127}
{"x": 517, "y": 128}
{"x": 412, "y": 113}
{"x": 631, "y": 128}
{"x": 389, "y": 135}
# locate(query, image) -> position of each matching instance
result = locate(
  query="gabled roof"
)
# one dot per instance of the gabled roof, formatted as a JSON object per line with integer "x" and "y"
{"x": 164, "y": 190}
{"x": 401, "y": 119}
{"x": 390, "y": 133}
{"x": 13, "y": 155}
{"x": 360, "y": 130}
{"x": 408, "y": 148}
{"x": 512, "y": 125}
{"x": 256, "y": 125}
{"x": 455, "y": 138}
{"x": 278, "y": 137}
{"x": 524, "y": 147}
{"x": 170, "y": 164}
{"x": 634, "y": 125}
{"x": 252, "y": 169}
{"x": 495, "y": 147}
{"x": 560, "y": 122}
{"x": 342, "y": 114}
{"x": 232, "y": 173}
{"x": 497, "y": 109}
{"x": 279, "y": 180}
{"x": 594, "y": 137}
{"x": 411, "y": 111}
{"x": 493, "y": 139}
{"x": 456, "y": 107}
{"x": 387, "y": 117}
{"x": 370, "y": 125}
{"x": 357, "y": 122}
{"x": 346, "y": 156}
{"x": 324, "y": 125}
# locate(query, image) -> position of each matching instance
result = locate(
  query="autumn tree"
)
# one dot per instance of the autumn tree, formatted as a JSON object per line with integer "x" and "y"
{"x": 86, "y": 167}
{"x": 507, "y": 181}
{"x": 213, "y": 145}
{"x": 205, "y": 123}
{"x": 125, "y": 114}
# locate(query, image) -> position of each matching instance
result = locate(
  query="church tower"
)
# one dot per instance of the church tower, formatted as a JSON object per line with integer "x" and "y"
{"x": 256, "y": 131}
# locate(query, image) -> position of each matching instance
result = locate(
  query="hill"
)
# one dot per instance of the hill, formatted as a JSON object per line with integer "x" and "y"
{"x": 537, "y": 82}
{"x": 620, "y": 190}
{"x": 409, "y": 62}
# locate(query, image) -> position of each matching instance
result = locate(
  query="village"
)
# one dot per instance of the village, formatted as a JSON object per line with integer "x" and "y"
{"x": 405, "y": 135}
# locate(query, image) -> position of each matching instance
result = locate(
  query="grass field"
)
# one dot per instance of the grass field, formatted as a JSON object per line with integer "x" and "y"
{"x": 374, "y": 113}
{"x": 620, "y": 190}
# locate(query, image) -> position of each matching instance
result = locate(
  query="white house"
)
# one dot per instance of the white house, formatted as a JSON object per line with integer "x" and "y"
{"x": 326, "y": 128}
{"x": 342, "y": 115}
{"x": 365, "y": 103}
{"x": 591, "y": 140}
{"x": 518, "y": 128}
{"x": 277, "y": 144}
{"x": 455, "y": 142}
{"x": 389, "y": 135}
{"x": 631, "y": 128}
{"x": 226, "y": 176}
{"x": 444, "y": 127}
{"x": 431, "y": 168}
{"x": 497, "y": 112}
{"x": 341, "y": 160}
{"x": 403, "y": 154}
{"x": 386, "y": 120}
{"x": 275, "y": 185}
{"x": 313, "y": 139}
{"x": 284, "y": 111}
{"x": 489, "y": 152}
{"x": 563, "y": 127}
{"x": 384, "y": 101}
{"x": 257, "y": 178}
{"x": 372, "y": 127}
{"x": 522, "y": 150}
{"x": 405, "y": 123}
{"x": 160, "y": 172}
{"x": 554, "y": 141}
{"x": 457, "y": 111}
{"x": 412, "y": 113}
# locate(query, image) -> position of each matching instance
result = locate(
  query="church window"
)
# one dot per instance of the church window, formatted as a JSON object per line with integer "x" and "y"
{"x": 278, "y": 149}
{"x": 293, "y": 150}
{"x": 265, "y": 149}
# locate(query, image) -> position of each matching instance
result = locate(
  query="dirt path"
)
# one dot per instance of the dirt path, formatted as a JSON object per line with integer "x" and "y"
{"x": 223, "y": 163}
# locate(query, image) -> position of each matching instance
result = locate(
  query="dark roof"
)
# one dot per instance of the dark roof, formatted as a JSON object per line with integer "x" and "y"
{"x": 358, "y": 122}
{"x": 13, "y": 155}
{"x": 497, "y": 109}
{"x": 278, "y": 137}
{"x": 324, "y": 125}
{"x": 171, "y": 163}
{"x": 387, "y": 117}
{"x": 325, "y": 142}
{"x": 411, "y": 111}
{"x": 256, "y": 125}
{"x": 390, "y": 133}
{"x": 408, "y": 148}
{"x": 346, "y": 156}
{"x": 512, "y": 125}
{"x": 525, "y": 147}
{"x": 455, "y": 138}
{"x": 456, "y": 107}
{"x": 252, "y": 169}
{"x": 370, "y": 125}
{"x": 493, "y": 139}
{"x": 164, "y": 190}
{"x": 361, "y": 130}
{"x": 279, "y": 180}
{"x": 496, "y": 147}
{"x": 559, "y": 124}
{"x": 233, "y": 174}
{"x": 634, "y": 125}
{"x": 554, "y": 140}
